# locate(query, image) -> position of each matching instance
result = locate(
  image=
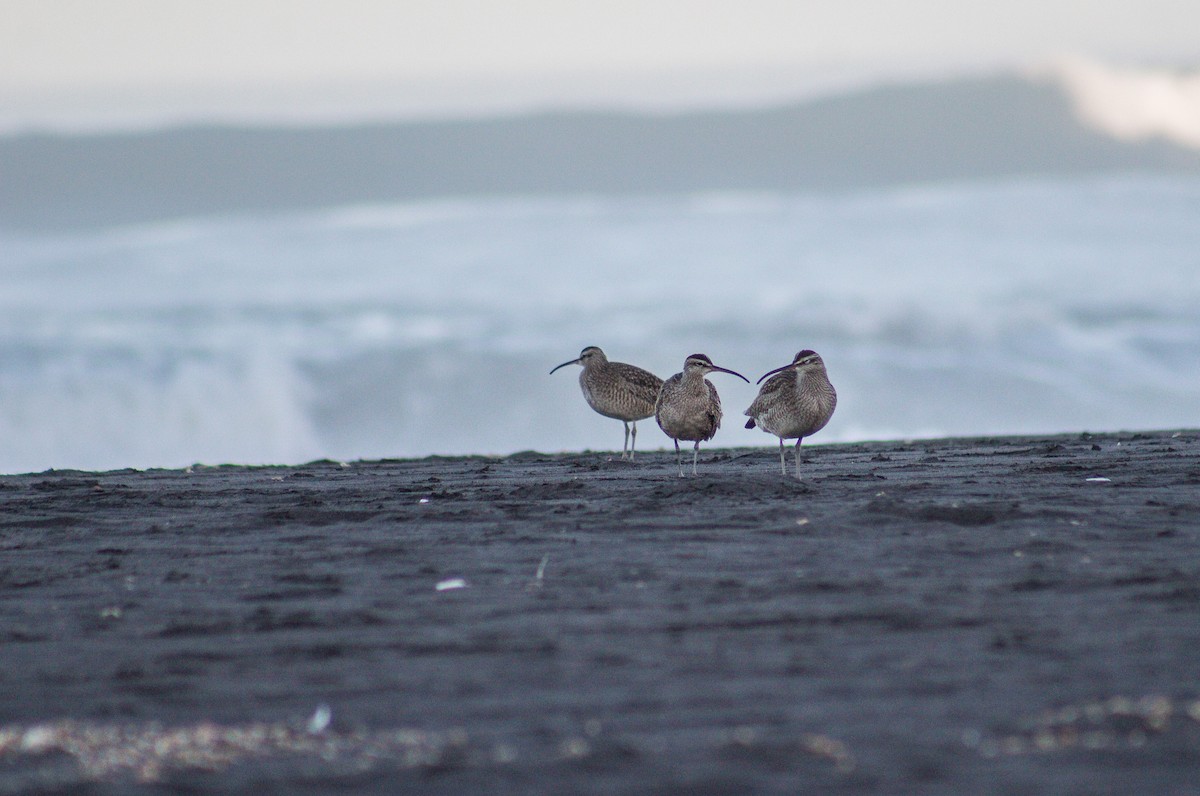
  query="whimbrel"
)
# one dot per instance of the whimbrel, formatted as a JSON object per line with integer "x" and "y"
{"x": 688, "y": 406}
{"x": 614, "y": 389}
{"x": 796, "y": 402}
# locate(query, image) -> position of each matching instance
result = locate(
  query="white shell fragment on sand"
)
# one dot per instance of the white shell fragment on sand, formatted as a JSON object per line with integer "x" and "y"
{"x": 451, "y": 583}
{"x": 319, "y": 722}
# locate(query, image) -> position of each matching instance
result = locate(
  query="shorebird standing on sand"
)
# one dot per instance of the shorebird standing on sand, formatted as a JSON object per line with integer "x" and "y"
{"x": 688, "y": 406}
{"x": 614, "y": 389}
{"x": 796, "y": 402}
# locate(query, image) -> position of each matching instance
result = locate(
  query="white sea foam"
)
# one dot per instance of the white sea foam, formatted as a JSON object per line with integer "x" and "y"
{"x": 1134, "y": 104}
{"x": 431, "y": 328}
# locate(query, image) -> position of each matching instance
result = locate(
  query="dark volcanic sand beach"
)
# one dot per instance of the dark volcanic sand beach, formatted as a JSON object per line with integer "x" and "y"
{"x": 951, "y": 616}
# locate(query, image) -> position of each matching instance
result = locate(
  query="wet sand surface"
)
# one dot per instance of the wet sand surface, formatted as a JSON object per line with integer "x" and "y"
{"x": 1008, "y": 615}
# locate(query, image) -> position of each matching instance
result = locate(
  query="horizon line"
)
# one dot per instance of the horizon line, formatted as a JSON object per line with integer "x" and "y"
{"x": 342, "y": 104}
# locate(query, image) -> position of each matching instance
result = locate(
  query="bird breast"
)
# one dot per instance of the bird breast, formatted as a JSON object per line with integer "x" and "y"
{"x": 689, "y": 410}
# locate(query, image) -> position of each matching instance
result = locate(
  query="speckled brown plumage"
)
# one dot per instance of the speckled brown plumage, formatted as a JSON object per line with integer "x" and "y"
{"x": 617, "y": 390}
{"x": 688, "y": 406}
{"x": 795, "y": 403}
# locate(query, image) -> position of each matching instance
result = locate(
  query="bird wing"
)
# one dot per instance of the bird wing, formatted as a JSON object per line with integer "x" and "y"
{"x": 667, "y": 385}
{"x": 767, "y": 394}
{"x": 714, "y": 413}
{"x": 645, "y": 384}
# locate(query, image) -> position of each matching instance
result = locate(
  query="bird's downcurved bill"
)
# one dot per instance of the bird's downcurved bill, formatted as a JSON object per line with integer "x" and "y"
{"x": 731, "y": 372}
{"x": 563, "y": 365}
{"x": 773, "y": 372}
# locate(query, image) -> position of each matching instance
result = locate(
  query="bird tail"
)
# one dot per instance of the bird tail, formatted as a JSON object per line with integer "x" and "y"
{"x": 750, "y": 423}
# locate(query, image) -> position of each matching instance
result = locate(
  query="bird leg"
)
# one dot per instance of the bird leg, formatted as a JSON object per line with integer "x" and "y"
{"x": 798, "y": 441}
{"x": 782, "y": 466}
{"x": 625, "y": 447}
{"x": 632, "y": 438}
{"x": 695, "y": 453}
{"x": 679, "y": 458}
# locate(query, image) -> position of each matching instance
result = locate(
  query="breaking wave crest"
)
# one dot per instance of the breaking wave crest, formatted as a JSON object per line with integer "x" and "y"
{"x": 1133, "y": 104}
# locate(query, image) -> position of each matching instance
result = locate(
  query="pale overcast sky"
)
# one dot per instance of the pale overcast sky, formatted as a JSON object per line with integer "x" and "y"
{"x": 56, "y": 51}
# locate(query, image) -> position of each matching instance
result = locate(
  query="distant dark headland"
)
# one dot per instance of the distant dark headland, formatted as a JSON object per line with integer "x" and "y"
{"x": 994, "y": 127}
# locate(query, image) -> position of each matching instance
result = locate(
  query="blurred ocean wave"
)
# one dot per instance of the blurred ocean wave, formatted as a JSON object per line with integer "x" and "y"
{"x": 366, "y": 331}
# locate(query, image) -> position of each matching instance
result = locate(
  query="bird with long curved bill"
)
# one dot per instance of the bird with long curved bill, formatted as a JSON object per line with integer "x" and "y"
{"x": 617, "y": 390}
{"x": 688, "y": 406}
{"x": 796, "y": 402}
